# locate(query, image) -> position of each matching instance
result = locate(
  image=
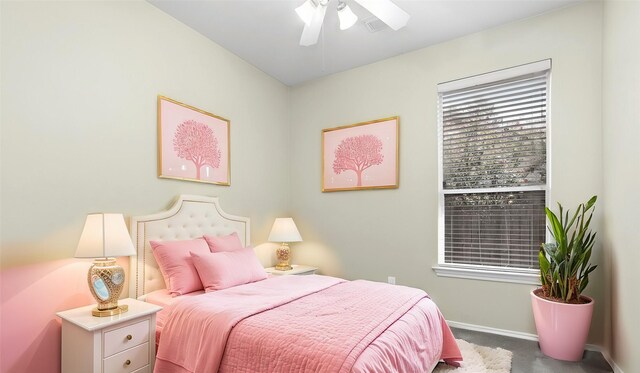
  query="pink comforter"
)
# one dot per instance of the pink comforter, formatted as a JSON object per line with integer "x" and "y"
{"x": 311, "y": 323}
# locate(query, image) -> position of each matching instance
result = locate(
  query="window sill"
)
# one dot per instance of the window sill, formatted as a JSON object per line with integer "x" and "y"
{"x": 529, "y": 277}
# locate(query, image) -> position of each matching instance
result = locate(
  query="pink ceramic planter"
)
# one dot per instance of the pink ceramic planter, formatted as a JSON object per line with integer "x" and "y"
{"x": 562, "y": 328}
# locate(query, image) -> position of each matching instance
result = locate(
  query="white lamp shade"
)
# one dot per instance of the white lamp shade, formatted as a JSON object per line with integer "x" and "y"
{"x": 284, "y": 230}
{"x": 306, "y": 11}
{"x": 104, "y": 235}
{"x": 347, "y": 17}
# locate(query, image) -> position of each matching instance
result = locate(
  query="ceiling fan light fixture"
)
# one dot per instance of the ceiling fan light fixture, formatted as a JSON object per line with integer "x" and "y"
{"x": 346, "y": 16}
{"x": 306, "y": 11}
{"x": 312, "y": 12}
{"x": 311, "y": 31}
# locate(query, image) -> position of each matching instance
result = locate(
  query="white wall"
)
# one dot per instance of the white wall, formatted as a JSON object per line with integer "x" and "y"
{"x": 79, "y": 124}
{"x": 373, "y": 234}
{"x": 621, "y": 134}
{"x": 79, "y": 87}
{"x": 78, "y": 116}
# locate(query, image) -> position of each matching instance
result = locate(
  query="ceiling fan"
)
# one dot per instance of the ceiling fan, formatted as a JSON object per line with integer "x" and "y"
{"x": 312, "y": 14}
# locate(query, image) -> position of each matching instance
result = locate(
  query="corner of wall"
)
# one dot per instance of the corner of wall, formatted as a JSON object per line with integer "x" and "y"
{"x": 620, "y": 131}
{"x": 288, "y": 141}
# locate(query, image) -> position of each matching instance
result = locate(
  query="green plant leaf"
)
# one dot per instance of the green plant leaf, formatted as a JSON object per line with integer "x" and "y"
{"x": 550, "y": 248}
{"x": 556, "y": 227}
{"x": 573, "y": 219}
{"x": 583, "y": 284}
{"x": 544, "y": 262}
{"x": 591, "y": 202}
{"x": 564, "y": 264}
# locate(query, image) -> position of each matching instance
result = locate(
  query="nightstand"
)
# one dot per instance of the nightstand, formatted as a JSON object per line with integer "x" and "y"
{"x": 125, "y": 343}
{"x": 297, "y": 270}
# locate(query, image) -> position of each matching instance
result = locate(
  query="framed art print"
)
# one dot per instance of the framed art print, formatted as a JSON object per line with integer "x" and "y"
{"x": 361, "y": 156}
{"x": 192, "y": 144}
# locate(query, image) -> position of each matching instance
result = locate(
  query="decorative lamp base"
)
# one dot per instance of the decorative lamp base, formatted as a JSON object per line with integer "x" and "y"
{"x": 283, "y": 253}
{"x": 283, "y": 267}
{"x": 106, "y": 279}
{"x": 112, "y": 312}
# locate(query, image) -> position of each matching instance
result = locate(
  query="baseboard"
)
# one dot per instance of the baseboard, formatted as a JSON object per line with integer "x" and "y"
{"x": 614, "y": 366}
{"x": 529, "y": 337}
{"x": 490, "y": 330}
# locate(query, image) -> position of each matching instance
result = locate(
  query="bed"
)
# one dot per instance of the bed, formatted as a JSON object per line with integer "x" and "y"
{"x": 282, "y": 323}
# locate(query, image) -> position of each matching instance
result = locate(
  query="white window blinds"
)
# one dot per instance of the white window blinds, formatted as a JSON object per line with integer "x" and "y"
{"x": 494, "y": 229}
{"x": 494, "y": 167}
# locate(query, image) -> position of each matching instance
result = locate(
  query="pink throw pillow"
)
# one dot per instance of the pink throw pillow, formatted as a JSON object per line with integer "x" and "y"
{"x": 226, "y": 269}
{"x": 176, "y": 264}
{"x": 219, "y": 244}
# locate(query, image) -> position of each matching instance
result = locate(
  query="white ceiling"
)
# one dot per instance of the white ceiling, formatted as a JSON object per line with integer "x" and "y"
{"x": 265, "y": 33}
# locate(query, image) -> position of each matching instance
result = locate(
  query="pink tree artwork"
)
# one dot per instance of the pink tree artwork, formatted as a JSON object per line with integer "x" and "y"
{"x": 357, "y": 153}
{"x": 195, "y": 142}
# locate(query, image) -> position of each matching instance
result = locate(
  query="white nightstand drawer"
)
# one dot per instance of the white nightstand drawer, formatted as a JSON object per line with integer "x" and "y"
{"x": 146, "y": 369}
{"x": 126, "y": 337}
{"x": 99, "y": 344}
{"x": 128, "y": 361}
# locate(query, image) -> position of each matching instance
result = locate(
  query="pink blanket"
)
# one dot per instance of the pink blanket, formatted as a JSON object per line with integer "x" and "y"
{"x": 313, "y": 323}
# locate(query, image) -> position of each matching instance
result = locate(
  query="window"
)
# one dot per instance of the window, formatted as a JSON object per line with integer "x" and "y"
{"x": 493, "y": 132}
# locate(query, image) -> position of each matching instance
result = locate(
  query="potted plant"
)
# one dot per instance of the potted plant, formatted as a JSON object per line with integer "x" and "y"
{"x": 562, "y": 314}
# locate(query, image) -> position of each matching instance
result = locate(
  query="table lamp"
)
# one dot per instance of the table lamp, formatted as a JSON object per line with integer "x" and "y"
{"x": 284, "y": 230}
{"x": 105, "y": 237}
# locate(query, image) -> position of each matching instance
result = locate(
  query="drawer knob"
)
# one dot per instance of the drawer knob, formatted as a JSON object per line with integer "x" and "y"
{"x": 129, "y": 337}
{"x": 127, "y": 363}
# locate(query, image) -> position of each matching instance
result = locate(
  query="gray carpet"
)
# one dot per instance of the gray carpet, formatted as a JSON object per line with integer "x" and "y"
{"x": 527, "y": 357}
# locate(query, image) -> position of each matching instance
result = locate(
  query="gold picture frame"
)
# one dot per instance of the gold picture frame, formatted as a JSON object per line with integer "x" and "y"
{"x": 205, "y": 160}
{"x": 357, "y": 156}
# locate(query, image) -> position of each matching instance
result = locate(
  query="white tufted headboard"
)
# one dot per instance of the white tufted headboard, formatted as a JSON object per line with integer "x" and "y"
{"x": 190, "y": 217}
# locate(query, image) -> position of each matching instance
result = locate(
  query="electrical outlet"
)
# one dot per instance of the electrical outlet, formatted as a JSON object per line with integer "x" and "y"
{"x": 391, "y": 280}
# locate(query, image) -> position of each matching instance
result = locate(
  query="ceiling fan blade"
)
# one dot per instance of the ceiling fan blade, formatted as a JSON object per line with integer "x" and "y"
{"x": 311, "y": 31}
{"x": 387, "y": 12}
